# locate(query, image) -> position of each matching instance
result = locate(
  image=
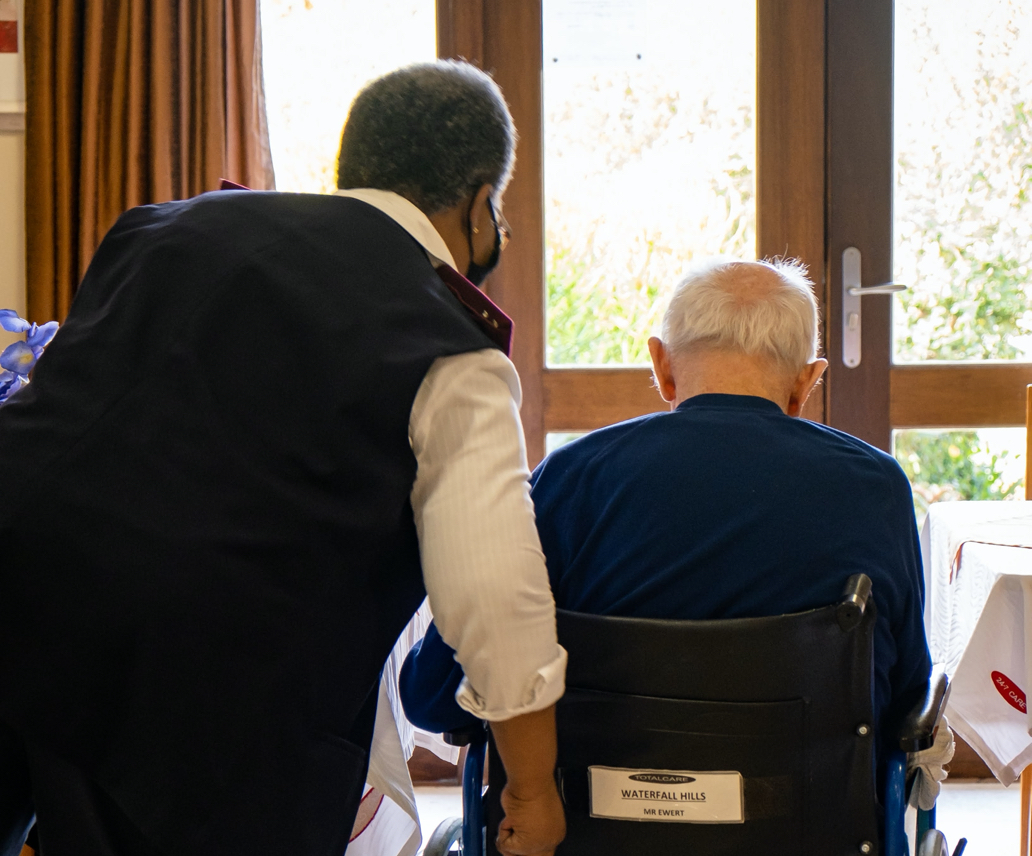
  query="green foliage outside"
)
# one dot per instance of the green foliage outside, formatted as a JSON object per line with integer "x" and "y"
{"x": 963, "y": 233}
{"x": 952, "y": 465}
{"x": 598, "y": 313}
{"x": 964, "y": 229}
{"x": 646, "y": 169}
{"x": 600, "y": 321}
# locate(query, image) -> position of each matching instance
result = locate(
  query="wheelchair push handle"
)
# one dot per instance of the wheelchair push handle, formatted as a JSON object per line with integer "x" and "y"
{"x": 918, "y": 729}
{"x": 854, "y": 601}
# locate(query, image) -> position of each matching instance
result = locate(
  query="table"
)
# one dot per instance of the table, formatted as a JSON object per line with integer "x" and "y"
{"x": 978, "y": 572}
{"x": 978, "y": 617}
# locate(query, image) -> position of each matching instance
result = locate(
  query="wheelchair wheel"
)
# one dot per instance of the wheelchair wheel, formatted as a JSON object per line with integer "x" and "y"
{"x": 447, "y": 834}
{"x": 934, "y": 844}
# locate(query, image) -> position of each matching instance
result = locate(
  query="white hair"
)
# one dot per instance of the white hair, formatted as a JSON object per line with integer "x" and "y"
{"x": 762, "y": 308}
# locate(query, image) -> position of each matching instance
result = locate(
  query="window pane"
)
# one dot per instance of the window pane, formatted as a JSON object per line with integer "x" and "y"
{"x": 949, "y": 465}
{"x": 317, "y": 56}
{"x": 556, "y": 440}
{"x": 963, "y": 194}
{"x": 650, "y": 160}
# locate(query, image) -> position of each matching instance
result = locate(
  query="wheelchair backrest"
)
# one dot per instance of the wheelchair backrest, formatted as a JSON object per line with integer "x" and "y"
{"x": 717, "y": 737}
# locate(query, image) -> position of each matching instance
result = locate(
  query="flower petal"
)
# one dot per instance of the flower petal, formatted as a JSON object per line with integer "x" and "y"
{"x": 18, "y": 358}
{"x": 39, "y": 337}
{"x": 10, "y": 321}
{"x": 9, "y": 383}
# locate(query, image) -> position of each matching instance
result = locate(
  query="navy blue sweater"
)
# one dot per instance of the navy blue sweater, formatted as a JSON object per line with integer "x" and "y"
{"x": 724, "y": 508}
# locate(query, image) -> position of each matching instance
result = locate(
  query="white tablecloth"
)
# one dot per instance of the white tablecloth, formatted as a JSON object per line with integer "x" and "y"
{"x": 978, "y": 625}
{"x": 388, "y": 823}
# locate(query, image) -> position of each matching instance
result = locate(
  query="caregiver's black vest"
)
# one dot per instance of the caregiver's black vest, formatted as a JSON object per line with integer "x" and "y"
{"x": 206, "y": 544}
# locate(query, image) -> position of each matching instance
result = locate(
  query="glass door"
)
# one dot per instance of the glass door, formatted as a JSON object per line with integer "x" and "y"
{"x": 650, "y": 162}
{"x": 652, "y": 132}
{"x": 930, "y": 179}
{"x": 962, "y": 228}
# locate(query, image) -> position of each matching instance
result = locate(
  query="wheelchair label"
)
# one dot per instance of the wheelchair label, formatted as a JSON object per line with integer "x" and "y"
{"x": 670, "y": 796}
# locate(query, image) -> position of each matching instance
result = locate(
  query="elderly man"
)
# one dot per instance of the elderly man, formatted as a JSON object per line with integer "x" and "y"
{"x": 728, "y": 506}
{"x": 269, "y": 421}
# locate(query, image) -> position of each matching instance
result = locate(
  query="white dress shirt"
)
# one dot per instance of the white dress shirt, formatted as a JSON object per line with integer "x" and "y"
{"x": 482, "y": 563}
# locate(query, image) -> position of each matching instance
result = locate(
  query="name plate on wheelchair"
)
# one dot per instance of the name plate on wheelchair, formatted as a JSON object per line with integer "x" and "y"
{"x": 671, "y": 796}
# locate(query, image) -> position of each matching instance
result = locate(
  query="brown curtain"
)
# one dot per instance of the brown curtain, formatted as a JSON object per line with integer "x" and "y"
{"x": 132, "y": 102}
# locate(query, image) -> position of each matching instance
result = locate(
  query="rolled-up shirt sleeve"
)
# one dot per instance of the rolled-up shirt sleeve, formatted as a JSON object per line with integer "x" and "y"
{"x": 482, "y": 562}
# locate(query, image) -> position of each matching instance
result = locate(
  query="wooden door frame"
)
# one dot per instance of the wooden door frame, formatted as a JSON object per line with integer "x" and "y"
{"x": 504, "y": 38}
{"x": 876, "y": 397}
{"x": 859, "y": 207}
{"x": 790, "y": 145}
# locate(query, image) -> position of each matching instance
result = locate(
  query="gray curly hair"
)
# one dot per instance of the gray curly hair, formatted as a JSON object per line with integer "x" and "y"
{"x": 431, "y": 132}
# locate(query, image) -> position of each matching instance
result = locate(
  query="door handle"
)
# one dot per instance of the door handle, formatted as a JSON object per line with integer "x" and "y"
{"x": 852, "y": 317}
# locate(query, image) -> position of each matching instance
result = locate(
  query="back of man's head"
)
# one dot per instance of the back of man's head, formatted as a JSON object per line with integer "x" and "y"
{"x": 433, "y": 133}
{"x": 763, "y": 309}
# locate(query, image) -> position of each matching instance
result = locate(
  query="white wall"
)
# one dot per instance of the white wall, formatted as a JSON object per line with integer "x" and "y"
{"x": 12, "y": 220}
{"x": 12, "y": 226}
{"x": 12, "y": 178}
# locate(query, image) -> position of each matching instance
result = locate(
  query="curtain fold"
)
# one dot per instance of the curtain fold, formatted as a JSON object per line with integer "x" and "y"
{"x": 132, "y": 102}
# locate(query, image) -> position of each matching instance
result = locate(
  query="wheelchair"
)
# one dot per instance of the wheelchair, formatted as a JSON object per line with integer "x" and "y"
{"x": 773, "y": 713}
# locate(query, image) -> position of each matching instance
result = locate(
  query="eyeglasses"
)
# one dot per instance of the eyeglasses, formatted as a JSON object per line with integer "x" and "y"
{"x": 502, "y": 227}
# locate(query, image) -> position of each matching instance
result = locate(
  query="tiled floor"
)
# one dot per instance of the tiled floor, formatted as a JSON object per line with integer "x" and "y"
{"x": 985, "y": 814}
{"x": 435, "y": 804}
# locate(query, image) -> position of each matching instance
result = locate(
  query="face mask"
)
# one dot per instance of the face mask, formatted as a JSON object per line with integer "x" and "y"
{"x": 477, "y": 273}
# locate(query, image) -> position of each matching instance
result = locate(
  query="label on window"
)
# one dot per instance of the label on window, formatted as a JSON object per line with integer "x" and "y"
{"x": 671, "y": 796}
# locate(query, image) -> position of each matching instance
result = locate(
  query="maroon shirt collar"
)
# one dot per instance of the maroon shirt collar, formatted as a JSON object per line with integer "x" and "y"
{"x": 495, "y": 323}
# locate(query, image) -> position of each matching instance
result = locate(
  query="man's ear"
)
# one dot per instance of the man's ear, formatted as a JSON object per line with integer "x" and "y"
{"x": 804, "y": 384}
{"x": 661, "y": 370}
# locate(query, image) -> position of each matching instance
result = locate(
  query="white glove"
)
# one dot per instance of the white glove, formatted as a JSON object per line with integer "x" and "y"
{"x": 929, "y": 765}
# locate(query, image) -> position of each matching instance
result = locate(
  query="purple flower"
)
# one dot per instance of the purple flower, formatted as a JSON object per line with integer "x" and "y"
{"x": 39, "y": 336}
{"x": 18, "y": 358}
{"x": 10, "y": 321}
{"x": 9, "y": 383}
